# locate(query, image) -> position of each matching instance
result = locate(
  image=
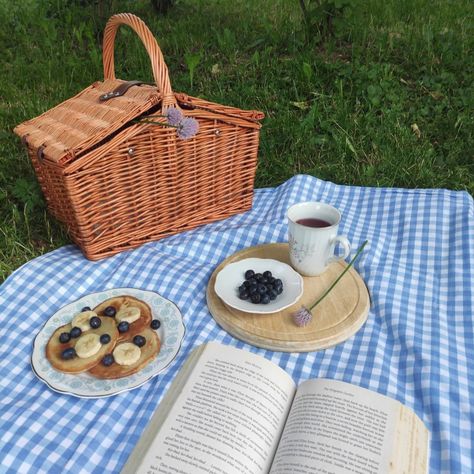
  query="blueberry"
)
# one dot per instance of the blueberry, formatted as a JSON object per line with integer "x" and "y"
{"x": 104, "y": 339}
{"x": 64, "y": 337}
{"x": 75, "y": 332}
{"x": 95, "y": 322}
{"x": 255, "y": 298}
{"x": 265, "y": 299}
{"x": 244, "y": 295}
{"x": 108, "y": 360}
{"x": 260, "y": 287}
{"x": 277, "y": 282}
{"x": 110, "y": 311}
{"x": 139, "y": 341}
{"x": 249, "y": 274}
{"x": 68, "y": 353}
{"x": 155, "y": 324}
{"x": 86, "y": 308}
{"x": 123, "y": 326}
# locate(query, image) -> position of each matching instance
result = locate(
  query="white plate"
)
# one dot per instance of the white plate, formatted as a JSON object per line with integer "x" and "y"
{"x": 232, "y": 276}
{"x": 83, "y": 385}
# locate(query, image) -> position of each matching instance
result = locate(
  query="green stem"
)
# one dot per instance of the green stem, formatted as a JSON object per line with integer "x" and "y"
{"x": 340, "y": 276}
{"x": 163, "y": 124}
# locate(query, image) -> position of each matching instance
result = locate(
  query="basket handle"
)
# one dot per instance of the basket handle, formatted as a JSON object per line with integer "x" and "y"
{"x": 158, "y": 65}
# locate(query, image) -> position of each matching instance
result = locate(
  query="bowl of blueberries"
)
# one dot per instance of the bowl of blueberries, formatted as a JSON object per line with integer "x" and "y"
{"x": 258, "y": 285}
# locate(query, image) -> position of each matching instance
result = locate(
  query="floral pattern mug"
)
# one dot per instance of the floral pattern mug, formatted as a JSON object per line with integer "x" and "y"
{"x": 313, "y": 236}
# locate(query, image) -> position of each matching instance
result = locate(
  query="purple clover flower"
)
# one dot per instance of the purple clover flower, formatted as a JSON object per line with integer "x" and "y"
{"x": 302, "y": 317}
{"x": 187, "y": 128}
{"x": 174, "y": 116}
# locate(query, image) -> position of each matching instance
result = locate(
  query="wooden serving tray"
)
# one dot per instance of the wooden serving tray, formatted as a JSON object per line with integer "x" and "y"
{"x": 339, "y": 316}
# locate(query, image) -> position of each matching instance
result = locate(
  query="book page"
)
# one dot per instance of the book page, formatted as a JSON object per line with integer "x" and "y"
{"x": 411, "y": 444}
{"x": 337, "y": 428}
{"x": 226, "y": 417}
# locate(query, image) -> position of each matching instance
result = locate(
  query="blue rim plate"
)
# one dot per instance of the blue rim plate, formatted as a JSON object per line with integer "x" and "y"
{"x": 84, "y": 385}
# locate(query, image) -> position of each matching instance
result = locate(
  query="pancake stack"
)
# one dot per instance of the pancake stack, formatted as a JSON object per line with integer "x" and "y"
{"x": 115, "y": 339}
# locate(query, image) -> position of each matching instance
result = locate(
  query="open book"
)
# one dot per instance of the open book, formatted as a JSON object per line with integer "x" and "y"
{"x": 233, "y": 412}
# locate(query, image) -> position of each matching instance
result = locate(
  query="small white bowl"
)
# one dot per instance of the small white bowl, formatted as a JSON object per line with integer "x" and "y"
{"x": 232, "y": 276}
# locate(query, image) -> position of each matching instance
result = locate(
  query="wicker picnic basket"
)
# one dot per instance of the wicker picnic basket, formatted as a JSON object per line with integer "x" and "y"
{"x": 116, "y": 180}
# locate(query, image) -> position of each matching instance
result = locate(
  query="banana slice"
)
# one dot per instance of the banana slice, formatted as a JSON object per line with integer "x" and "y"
{"x": 126, "y": 353}
{"x": 81, "y": 320}
{"x": 87, "y": 345}
{"x": 129, "y": 314}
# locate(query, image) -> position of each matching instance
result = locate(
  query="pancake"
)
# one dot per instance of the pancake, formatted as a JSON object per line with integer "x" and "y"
{"x": 126, "y": 301}
{"x": 54, "y": 348}
{"x": 148, "y": 352}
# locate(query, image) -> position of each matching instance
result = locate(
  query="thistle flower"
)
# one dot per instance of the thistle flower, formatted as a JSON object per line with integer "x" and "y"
{"x": 174, "y": 116}
{"x": 187, "y": 128}
{"x": 303, "y": 316}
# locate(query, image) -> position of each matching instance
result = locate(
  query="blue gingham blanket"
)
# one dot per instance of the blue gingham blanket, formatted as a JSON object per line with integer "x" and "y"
{"x": 417, "y": 345}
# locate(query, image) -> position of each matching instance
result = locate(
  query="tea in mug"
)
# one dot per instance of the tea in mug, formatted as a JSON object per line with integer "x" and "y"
{"x": 313, "y": 222}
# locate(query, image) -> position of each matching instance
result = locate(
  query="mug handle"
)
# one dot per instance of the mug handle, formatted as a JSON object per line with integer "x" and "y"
{"x": 340, "y": 239}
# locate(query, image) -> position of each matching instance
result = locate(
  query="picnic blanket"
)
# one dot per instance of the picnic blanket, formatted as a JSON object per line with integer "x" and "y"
{"x": 417, "y": 345}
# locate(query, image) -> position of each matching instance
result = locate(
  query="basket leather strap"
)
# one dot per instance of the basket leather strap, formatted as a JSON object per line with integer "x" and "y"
{"x": 158, "y": 65}
{"x": 120, "y": 90}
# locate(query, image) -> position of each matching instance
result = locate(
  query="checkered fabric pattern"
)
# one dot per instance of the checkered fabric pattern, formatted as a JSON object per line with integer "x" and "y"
{"x": 416, "y": 345}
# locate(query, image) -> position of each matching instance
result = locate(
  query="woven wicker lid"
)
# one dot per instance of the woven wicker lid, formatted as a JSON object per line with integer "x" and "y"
{"x": 82, "y": 121}
{"x": 64, "y": 132}
{"x": 71, "y": 128}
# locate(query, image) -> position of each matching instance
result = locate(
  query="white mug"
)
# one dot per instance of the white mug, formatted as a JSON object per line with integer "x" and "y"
{"x": 312, "y": 237}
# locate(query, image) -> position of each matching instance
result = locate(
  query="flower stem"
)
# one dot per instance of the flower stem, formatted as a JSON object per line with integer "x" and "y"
{"x": 340, "y": 276}
{"x": 163, "y": 124}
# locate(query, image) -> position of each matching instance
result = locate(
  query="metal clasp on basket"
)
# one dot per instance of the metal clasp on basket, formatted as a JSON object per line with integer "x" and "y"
{"x": 40, "y": 152}
{"x": 108, "y": 95}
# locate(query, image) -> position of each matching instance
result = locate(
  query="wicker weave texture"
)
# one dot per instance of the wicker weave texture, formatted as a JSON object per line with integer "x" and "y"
{"x": 116, "y": 182}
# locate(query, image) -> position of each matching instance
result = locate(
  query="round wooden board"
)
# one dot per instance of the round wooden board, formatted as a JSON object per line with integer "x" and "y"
{"x": 335, "y": 319}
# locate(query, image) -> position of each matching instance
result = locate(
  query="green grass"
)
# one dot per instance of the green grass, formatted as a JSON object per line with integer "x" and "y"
{"x": 388, "y": 101}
